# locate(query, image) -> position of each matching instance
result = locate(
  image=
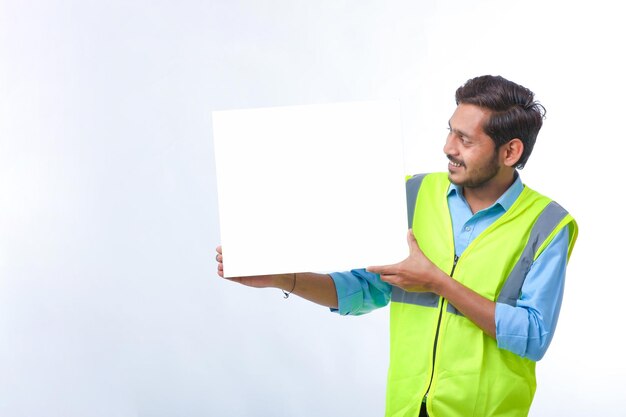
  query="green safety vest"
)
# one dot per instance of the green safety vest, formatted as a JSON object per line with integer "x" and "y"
{"x": 438, "y": 354}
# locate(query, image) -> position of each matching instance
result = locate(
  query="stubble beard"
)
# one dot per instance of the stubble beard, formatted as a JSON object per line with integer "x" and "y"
{"x": 482, "y": 175}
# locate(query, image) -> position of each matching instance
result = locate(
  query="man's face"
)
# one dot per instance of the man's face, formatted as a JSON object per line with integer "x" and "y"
{"x": 474, "y": 160}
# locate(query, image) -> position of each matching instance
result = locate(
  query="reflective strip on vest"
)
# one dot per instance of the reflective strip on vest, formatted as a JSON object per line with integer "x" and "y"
{"x": 549, "y": 218}
{"x": 426, "y": 299}
{"x": 412, "y": 187}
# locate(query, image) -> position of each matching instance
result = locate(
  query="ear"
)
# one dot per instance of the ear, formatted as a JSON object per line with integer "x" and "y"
{"x": 511, "y": 152}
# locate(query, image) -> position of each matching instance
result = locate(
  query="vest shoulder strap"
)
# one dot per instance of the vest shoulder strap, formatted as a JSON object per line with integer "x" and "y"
{"x": 413, "y": 185}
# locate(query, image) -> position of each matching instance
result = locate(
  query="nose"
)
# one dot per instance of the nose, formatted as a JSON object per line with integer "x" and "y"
{"x": 448, "y": 147}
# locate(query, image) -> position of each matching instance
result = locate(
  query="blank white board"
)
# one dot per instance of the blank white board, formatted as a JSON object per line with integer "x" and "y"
{"x": 310, "y": 188}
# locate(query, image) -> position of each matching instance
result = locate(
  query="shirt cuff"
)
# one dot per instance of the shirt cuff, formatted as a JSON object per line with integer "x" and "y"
{"x": 349, "y": 293}
{"x": 511, "y": 332}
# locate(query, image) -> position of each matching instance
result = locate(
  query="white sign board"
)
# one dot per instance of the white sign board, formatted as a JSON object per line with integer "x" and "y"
{"x": 316, "y": 188}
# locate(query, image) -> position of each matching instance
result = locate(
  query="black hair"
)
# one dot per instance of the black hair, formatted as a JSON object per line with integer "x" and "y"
{"x": 514, "y": 111}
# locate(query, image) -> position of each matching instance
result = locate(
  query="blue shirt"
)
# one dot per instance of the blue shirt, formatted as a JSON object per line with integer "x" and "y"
{"x": 525, "y": 329}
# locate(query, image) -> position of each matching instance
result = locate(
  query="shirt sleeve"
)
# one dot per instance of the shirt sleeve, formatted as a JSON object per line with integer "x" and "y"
{"x": 527, "y": 328}
{"x": 359, "y": 292}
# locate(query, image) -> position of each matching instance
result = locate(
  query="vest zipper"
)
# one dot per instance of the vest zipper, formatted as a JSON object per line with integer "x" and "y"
{"x": 432, "y": 373}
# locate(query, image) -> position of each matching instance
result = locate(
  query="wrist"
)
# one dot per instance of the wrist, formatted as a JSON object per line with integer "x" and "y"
{"x": 440, "y": 283}
{"x": 283, "y": 281}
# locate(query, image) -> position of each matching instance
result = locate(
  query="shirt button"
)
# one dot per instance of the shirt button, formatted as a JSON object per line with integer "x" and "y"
{"x": 467, "y": 228}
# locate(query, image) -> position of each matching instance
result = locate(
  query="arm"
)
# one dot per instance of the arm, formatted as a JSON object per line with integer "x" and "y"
{"x": 527, "y": 328}
{"x": 474, "y": 306}
{"x": 318, "y": 288}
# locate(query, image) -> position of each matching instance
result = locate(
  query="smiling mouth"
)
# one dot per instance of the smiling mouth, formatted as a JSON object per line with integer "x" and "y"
{"x": 454, "y": 163}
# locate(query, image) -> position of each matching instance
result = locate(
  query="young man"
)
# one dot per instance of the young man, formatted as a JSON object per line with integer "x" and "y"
{"x": 476, "y": 302}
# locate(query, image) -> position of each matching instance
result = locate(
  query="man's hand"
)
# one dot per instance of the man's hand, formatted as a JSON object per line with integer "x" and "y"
{"x": 318, "y": 288}
{"x": 416, "y": 273}
{"x": 258, "y": 281}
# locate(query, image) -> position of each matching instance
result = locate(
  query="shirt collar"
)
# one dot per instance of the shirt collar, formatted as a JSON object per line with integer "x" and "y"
{"x": 506, "y": 200}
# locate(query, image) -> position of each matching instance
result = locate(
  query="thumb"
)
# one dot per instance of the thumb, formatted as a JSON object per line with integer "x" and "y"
{"x": 410, "y": 237}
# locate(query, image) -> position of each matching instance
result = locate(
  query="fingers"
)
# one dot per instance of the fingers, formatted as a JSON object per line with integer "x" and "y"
{"x": 387, "y": 277}
{"x": 374, "y": 269}
{"x": 410, "y": 238}
{"x": 381, "y": 270}
{"x": 390, "y": 279}
{"x": 220, "y": 261}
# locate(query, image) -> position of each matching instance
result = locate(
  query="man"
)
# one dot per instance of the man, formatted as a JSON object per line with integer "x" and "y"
{"x": 475, "y": 304}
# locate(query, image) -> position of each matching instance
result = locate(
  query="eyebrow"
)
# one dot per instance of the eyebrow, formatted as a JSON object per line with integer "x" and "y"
{"x": 459, "y": 132}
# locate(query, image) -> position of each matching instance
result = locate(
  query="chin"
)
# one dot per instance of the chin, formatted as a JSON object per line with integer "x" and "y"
{"x": 454, "y": 179}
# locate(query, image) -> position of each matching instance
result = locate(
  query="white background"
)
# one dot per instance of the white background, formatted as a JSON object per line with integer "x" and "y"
{"x": 109, "y": 301}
